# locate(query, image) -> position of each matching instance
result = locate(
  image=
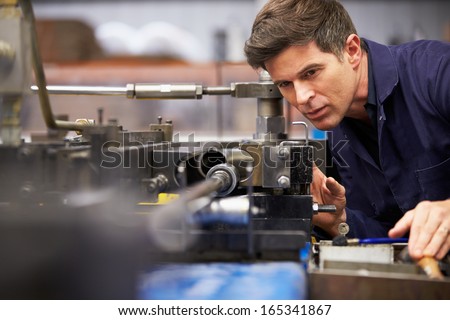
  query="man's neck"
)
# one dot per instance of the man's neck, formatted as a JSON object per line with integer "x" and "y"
{"x": 357, "y": 109}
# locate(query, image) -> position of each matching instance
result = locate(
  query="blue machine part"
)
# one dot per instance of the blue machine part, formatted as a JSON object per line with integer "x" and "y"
{"x": 225, "y": 281}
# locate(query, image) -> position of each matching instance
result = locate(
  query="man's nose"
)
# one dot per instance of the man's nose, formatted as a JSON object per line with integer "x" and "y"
{"x": 303, "y": 93}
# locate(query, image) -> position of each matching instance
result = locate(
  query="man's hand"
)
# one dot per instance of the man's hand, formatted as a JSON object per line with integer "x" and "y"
{"x": 429, "y": 225}
{"x": 328, "y": 191}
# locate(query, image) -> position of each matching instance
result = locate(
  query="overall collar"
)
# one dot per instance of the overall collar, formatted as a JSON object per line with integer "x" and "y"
{"x": 385, "y": 74}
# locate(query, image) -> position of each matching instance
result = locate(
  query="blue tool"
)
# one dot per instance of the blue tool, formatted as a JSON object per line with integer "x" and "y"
{"x": 341, "y": 240}
{"x": 382, "y": 240}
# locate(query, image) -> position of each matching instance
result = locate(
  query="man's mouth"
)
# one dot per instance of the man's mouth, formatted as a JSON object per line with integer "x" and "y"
{"x": 316, "y": 113}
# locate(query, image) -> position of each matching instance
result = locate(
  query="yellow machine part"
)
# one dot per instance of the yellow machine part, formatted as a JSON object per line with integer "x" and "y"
{"x": 163, "y": 198}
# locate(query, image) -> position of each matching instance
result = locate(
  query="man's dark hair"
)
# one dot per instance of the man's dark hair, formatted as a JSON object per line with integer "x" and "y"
{"x": 284, "y": 23}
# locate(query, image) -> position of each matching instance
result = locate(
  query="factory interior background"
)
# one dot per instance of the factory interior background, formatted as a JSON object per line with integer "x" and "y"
{"x": 112, "y": 43}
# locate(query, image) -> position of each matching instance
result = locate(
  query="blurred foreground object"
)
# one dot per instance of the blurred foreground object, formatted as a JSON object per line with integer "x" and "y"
{"x": 89, "y": 250}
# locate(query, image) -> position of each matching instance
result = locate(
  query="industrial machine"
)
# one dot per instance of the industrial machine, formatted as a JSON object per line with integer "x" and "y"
{"x": 126, "y": 201}
{"x": 230, "y": 200}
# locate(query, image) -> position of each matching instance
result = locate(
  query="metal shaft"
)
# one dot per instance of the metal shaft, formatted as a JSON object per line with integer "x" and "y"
{"x": 139, "y": 91}
{"x": 176, "y": 91}
{"x": 84, "y": 90}
{"x": 46, "y": 109}
{"x": 204, "y": 188}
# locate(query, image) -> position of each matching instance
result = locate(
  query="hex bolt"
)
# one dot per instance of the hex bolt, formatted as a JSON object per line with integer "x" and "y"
{"x": 284, "y": 182}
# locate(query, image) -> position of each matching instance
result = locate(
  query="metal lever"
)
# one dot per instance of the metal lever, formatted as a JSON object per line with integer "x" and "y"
{"x": 306, "y": 129}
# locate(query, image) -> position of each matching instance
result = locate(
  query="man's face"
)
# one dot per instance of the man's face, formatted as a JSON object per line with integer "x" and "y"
{"x": 317, "y": 84}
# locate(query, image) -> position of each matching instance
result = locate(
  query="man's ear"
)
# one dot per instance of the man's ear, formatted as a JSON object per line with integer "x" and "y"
{"x": 352, "y": 50}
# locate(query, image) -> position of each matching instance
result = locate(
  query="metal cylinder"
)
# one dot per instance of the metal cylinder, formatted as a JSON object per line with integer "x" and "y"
{"x": 271, "y": 107}
{"x": 84, "y": 90}
{"x": 167, "y": 91}
{"x": 228, "y": 178}
{"x": 217, "y": 90}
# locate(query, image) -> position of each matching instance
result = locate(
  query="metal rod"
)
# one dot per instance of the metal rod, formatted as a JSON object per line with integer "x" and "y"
{"x": 250, "y": 240}
{"x": 306, "y": 129}
{"x": 84, "y": 90}
{"x": 139, "y": 91}
{"x": 326, "y": 208}
{"x": 217, "y": 90}
{"x": 44, "y": 100}
{"x": 37, "y": 65}
{"x": 204, "y": 188}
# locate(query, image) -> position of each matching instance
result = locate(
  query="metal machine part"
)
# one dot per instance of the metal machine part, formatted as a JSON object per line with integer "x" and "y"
{"x": 370, "y": 271}
{"x": 15, "y": 65}
{"x": 227, "y": 176}
{"x": 169, "y": 91}
{"x": 230, "y": 210}
{"x": 270, "y": 122}
{"x": 209, "y": 174}
{"x": 106, "y": 155}
{"x": 343, "y": 228}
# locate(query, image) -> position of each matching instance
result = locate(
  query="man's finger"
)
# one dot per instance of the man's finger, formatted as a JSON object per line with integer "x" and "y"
{"x": 317, "y": 173}
{"x": 335, "y": 187}
{"x": 444, "y": 249}
{"x": 418, "y": 230}
{"x": 439, "y": 240}
{"x": 402, "y": 225}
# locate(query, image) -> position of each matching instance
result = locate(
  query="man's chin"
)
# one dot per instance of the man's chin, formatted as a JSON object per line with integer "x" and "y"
{"x": 324, "y": 126}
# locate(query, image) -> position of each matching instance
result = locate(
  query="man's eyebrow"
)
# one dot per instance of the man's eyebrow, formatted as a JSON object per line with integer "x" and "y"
{"x": 309, "y": 67}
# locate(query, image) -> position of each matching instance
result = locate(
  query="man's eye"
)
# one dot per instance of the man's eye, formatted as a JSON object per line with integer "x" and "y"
{"x": 309, "y": 73}
{"x": 283, "y": 84}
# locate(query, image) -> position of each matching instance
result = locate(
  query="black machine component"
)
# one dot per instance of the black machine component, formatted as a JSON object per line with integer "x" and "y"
{"x": 278, "y": 208}
{"x": 42, "y": 174}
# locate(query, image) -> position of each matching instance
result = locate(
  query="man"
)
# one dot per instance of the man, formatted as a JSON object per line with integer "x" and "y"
{"x": 387, "y": 110}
